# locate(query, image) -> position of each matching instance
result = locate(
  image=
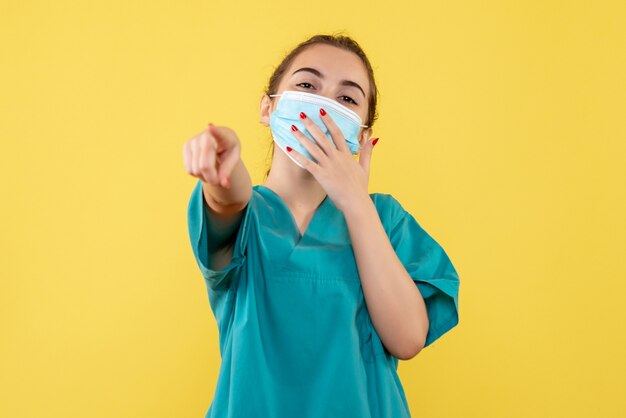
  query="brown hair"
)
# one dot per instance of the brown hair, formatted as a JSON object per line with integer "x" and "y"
{"x": 339, "y": 41}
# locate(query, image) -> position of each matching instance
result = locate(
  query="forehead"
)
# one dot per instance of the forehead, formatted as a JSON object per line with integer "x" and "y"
{"x": 334, "y": 63}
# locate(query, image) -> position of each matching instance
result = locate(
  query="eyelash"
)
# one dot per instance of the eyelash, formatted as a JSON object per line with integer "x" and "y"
{"x": 352, "y": 100}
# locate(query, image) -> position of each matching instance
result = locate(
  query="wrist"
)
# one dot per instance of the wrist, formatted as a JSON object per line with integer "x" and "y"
{"x": 360, "y": 210}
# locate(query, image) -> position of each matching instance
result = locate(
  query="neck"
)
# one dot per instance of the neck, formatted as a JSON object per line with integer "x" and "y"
{"x": 295, "y": 185}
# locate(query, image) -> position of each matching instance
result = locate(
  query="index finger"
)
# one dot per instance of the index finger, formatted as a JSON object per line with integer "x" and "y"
{"x": 335, "y": 132}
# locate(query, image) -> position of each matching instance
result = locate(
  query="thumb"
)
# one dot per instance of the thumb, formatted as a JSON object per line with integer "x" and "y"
{"x": 227, "y": 151}
{"x": 229, "y": 160}
{"x": 365, "y": 156}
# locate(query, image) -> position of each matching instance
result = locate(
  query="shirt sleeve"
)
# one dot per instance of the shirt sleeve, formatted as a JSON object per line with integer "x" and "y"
{"x": 200, "y": 235}
{"x": 430, "y": 268}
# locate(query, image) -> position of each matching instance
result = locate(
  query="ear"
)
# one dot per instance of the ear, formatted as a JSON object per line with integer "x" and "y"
{"x": 365, "y": 136}
{"x": 265, "y": 110}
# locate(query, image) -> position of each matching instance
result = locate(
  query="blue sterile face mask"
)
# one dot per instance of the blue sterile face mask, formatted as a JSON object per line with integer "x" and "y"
{"x": 287, "y": 113}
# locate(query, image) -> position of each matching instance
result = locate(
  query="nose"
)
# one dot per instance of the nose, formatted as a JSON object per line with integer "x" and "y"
{"x": 327, "y": 93}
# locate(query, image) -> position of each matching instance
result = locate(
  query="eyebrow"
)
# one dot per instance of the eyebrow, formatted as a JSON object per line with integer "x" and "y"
{"x": 343, "y": 82}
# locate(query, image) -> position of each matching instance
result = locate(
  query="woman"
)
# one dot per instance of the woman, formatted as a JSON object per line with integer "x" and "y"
{"x": 317, "y": 286}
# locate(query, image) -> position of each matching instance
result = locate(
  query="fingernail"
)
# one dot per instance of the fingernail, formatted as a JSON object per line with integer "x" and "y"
{"x": 374, "y": 141}
{"x": 322, "y": 112}
{"x": 302, "y": 115}
{"x": 288, "y": 148}
{"x": 293, "y": 128}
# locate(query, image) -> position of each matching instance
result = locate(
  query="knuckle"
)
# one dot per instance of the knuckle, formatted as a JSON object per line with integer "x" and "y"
{"x": 205, "y": 173}
{"x": 203, "y": 167}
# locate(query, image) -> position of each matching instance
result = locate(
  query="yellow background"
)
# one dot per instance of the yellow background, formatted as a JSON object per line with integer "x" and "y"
{"x": 502, "y": 129}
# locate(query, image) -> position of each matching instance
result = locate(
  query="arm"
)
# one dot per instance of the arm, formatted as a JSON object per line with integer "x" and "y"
{"x": 394, "y": 302}
{"x": 213, "y": 156}
{"x": 225, "y": 209}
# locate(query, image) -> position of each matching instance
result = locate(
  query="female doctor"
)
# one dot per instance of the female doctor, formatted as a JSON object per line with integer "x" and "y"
{"x": 317, "y": 286}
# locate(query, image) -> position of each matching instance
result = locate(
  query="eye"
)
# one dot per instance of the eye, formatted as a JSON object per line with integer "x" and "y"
{"x": 347, "y": 98}
{"x": 350, "y": 100}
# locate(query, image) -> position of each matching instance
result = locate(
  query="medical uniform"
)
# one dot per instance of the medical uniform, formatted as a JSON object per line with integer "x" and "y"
{"x": 296, "y": 338}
